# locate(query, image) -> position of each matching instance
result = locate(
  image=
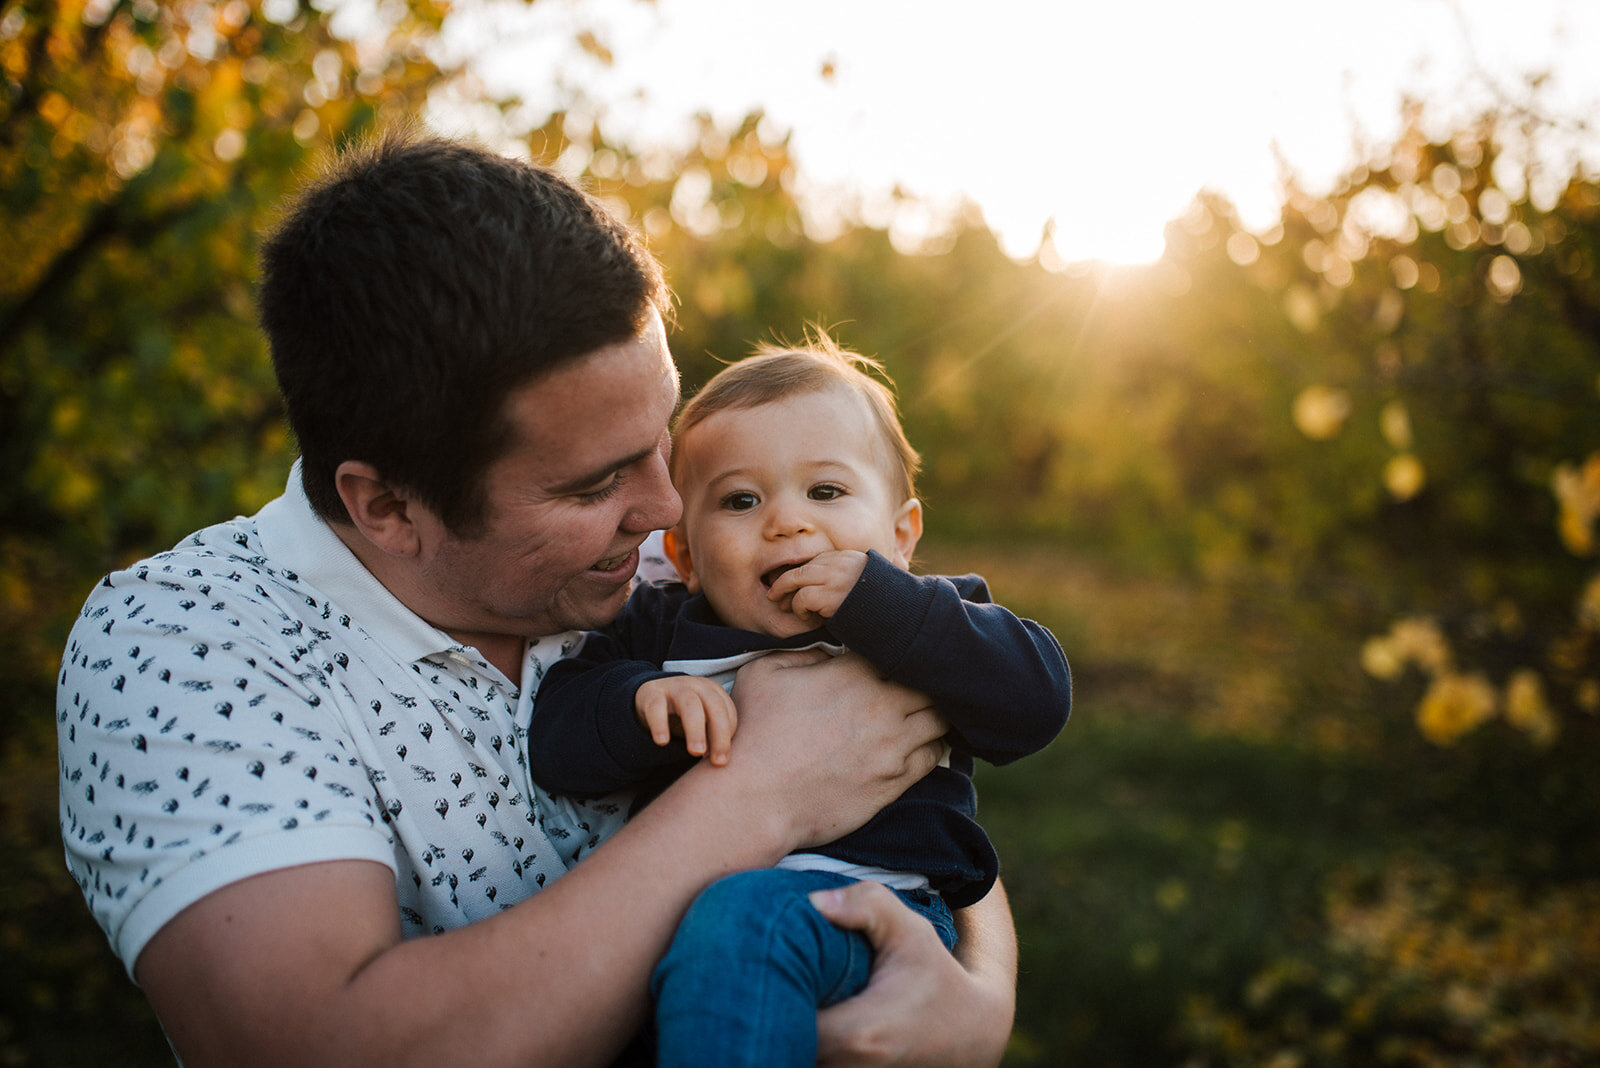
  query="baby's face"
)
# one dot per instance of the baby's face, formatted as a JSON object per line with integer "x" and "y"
{"x": 766, "y": 489}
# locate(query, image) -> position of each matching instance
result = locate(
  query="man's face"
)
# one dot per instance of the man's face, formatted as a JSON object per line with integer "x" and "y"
{"x": 584, "y": 481}
{"x": 768, "y": 488}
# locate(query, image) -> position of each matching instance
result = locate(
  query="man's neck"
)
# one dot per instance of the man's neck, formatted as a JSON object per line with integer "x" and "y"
{"x": 504, "y": 651}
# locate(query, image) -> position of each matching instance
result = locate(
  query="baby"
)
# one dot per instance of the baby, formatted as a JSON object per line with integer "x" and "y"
{"x": 798, "y": 527}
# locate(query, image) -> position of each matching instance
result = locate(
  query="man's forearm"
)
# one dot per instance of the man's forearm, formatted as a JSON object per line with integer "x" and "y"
{"x": 988, "y": 939}
{"x": 304, "y": 965}
{"x": 579, "y": 954}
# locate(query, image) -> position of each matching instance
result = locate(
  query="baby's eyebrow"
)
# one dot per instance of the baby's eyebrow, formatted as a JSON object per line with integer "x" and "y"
{"x": 735, "y": 474}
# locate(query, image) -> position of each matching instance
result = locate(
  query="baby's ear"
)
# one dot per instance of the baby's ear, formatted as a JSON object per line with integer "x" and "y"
{"x": 677, "y": 548}
{"x": 907, "y": 530}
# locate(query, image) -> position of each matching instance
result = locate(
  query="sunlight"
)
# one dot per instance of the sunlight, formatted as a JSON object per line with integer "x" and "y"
{"x": 1097, "y": 122}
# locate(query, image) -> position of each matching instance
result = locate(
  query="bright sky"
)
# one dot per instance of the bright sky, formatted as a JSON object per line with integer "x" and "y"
{"x": 1106, "y": 117}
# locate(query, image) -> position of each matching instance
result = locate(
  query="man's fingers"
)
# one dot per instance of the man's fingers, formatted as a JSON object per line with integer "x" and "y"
{"x": 868, "y": 907}
{"x": 907, "y": 959}
{"x": 927, "y": 725}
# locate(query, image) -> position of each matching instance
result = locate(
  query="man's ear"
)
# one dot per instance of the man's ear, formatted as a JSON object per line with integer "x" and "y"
{"x": 677, "y": 549}
{"x": 382, "y": 515}
{"x": 907, "y": 530}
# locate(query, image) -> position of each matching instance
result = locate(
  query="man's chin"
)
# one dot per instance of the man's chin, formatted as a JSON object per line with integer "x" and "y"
{"x": 592, "y": 612}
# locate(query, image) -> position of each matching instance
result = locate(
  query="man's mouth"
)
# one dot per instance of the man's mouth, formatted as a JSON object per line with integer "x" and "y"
{"x": 613, "y": 562}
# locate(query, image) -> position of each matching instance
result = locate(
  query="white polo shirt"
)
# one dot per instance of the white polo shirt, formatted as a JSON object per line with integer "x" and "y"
{"x": 254, "y": 699}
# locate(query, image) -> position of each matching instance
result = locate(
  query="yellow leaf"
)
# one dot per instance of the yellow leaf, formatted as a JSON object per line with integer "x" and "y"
{"x": 1380, "y": 658}
{"x": 1527, "y": 709}
{"x": 1395, "y": 422}
{"x": 1577, "y": 491}
{"x": 1419, "y": 639}
{"x": 1320, "y": 411}
{"x": 1404, "y": 476}
{"x": 54, "y": 108}
{"x": 1589, "y": 605}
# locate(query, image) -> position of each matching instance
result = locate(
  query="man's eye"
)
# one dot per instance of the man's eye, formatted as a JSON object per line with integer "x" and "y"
{"x": 602, "y": 491}
{"x": 826, "y": 492}
{"x": 740, "y": 501}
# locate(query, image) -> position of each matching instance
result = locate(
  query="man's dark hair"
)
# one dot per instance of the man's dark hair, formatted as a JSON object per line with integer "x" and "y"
{"x": 417, "y": 282}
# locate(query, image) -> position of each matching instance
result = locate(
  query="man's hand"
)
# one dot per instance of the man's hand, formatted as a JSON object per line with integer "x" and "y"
{"x": 697, "y": 709}
{"x": 824, "y": 743}
{"x": 819, "y": 586}
{"x": 922, "y": 1006}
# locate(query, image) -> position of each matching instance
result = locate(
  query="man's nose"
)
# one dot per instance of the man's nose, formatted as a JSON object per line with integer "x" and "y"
{"x": 658, "y": 506}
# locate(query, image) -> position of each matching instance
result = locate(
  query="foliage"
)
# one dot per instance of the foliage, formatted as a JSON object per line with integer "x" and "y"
{"x": 142, "y": 147}
{"x": 1420, "y": 967}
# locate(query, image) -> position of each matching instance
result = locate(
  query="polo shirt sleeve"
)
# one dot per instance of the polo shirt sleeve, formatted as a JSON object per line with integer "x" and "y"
{"x": 199, "y": 745}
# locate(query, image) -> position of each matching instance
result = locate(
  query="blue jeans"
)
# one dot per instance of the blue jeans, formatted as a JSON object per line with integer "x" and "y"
{"x": 751, "y": 964}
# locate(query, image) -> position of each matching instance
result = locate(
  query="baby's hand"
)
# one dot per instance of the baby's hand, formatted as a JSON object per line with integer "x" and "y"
{"x": 697, "y": 709}
{"x": 820, "y": 586}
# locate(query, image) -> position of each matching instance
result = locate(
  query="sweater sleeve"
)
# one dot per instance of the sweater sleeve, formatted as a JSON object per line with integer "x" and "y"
{"x": 585, "y": 739}
{"x": 1001, "y": 681}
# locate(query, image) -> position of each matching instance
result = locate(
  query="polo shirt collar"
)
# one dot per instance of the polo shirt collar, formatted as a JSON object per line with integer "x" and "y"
{"x": 295, "y": 538}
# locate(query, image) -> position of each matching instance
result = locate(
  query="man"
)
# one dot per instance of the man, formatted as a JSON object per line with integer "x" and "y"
{"x": 292, "y": 747}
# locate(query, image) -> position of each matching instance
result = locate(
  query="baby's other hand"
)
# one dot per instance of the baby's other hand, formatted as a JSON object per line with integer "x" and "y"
{"x": 696, "y": 709}
{"x": 820, "y": 585}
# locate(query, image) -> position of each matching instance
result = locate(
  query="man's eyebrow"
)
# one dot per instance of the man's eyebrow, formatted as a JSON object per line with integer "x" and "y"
{"x": 589, "y": 478}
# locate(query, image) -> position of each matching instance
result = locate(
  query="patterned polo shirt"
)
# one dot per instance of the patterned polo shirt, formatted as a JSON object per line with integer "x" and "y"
{"x": 255, "y": 699}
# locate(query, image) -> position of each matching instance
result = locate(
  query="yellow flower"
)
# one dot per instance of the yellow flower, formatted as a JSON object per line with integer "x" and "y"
{"x": 1527, "y": 709}
{"x": 1454, "y": 705}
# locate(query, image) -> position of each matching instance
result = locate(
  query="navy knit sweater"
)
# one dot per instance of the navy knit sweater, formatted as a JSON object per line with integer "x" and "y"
{"x": 1002, "y": 683}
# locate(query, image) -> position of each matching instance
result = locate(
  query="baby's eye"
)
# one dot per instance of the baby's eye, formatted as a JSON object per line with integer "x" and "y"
{"x": 825, "y": 491}
{"x": 740, "y": 501}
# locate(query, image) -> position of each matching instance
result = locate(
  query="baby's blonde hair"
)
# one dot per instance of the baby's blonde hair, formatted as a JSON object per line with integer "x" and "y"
{"x": 777, "y": 371}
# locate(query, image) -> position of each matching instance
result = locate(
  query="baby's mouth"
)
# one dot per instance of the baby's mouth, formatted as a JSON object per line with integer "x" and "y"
{"x": 770, "y": 577}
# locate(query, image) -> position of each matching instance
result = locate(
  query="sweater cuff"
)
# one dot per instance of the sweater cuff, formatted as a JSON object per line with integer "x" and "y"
{"x": 883, "y": 613}
{"x": 627, "y": 743}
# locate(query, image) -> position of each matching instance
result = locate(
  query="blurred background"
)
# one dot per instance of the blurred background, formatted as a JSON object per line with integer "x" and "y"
{"x": 1255, "y": 348}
